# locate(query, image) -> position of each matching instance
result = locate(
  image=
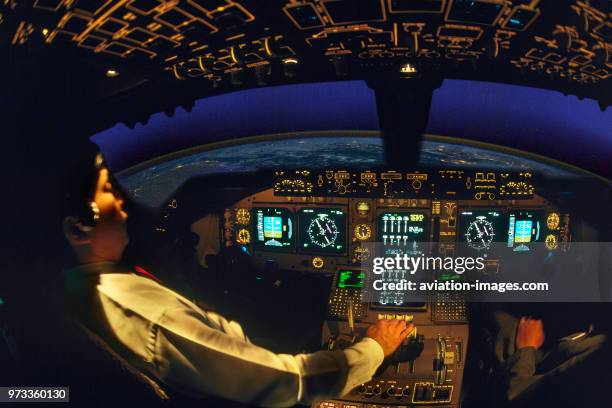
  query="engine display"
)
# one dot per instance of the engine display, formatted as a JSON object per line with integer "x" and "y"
{"x": 523, "y": 229}
{"x": 482, "y": 228}
{"x": 403, "y": 231}
{"x": 273, "y": 229}
{"x": 322, "y": 230}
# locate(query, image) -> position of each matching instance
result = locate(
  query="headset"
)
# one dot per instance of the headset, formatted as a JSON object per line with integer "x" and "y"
{"x": 88, "y": 218}
{"x": 84, "y": 214}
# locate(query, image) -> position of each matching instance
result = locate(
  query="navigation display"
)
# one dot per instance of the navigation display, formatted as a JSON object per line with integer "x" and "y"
{"x": 480, "y": 228}
{"x": 350, "y": 279}
{"x": 403, "y": 232}
{"x": 523, "y": 229}
{"x": 322, "y": 230}
{"x": 274, "y": 229}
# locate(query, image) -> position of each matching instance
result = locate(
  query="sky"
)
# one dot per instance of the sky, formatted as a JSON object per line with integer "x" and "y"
{"x": 532, "y": 119}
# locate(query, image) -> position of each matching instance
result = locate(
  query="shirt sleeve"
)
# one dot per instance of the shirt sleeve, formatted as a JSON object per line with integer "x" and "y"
{"x": 521, "y": 367}
{"x": 200, "y": 360}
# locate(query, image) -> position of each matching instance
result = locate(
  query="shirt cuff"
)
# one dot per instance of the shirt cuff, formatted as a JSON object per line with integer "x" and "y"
{"x": 363, "y": 360}
{"x": 368, "y": 349}
{"x": 523, "y": 362}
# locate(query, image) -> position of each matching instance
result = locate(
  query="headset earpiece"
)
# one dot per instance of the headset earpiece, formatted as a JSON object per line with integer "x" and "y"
{"x": 94, "y": 215}
{"x": 80, "y": 225}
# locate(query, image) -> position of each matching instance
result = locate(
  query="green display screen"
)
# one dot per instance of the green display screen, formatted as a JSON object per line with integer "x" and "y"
{"x": 350, "y": 279}
{"x": 322, "y": 230}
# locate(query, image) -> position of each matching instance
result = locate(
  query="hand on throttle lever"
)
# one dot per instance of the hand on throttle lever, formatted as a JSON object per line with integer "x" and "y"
{"x": 389, "y": 334}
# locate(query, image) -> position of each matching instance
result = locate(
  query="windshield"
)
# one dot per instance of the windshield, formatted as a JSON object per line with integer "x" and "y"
{"x": 153, "y": 182}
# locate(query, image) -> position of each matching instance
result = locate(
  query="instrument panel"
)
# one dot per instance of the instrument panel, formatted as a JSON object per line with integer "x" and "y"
{"x": 314, "y": 221}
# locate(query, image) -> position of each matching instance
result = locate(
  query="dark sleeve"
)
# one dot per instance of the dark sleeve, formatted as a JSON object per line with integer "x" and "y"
{"x": 520, "y": 372}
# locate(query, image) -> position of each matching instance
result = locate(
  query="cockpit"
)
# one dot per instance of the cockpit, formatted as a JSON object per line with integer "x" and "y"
{"x": 289, "y": 237}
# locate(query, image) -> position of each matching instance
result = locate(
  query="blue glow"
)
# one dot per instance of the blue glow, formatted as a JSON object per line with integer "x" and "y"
{"x": 532, "y": 119}
{"x": 522, "y": 231}
{"x": 273, "y": 227}
{"x": 511, "y": 232}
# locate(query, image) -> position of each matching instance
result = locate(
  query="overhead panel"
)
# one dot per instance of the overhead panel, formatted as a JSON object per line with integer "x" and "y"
{"x": 240, "y": 43}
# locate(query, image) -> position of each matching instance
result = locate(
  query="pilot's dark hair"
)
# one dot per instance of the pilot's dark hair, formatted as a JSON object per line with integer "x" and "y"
{"x": 81, "y": 174}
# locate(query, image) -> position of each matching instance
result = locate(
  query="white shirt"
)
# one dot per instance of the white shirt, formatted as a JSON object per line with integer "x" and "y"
{"x": 202, "y": 353}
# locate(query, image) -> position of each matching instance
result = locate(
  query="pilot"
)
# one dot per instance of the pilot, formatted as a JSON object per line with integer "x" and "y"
{"x": 560, "y": 375}
{"x": 163, "y": 334}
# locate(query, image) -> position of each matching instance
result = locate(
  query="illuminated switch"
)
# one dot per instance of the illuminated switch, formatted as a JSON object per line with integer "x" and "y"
{"x": 449, "y": 358}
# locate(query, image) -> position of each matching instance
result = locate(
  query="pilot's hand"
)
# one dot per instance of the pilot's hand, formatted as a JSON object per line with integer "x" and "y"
{"x": 389, "y": 334}
{"x": 529, "y": 333}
